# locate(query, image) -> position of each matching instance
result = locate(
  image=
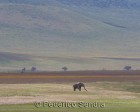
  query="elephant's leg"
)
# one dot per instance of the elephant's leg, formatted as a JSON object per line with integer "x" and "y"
{"x": 74, "y": 88}
{"x": 79, "y": 88}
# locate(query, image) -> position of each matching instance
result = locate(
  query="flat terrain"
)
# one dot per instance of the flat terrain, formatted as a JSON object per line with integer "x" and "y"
{"x": 70, "y": 76}
{"x": 118, "y": 91}
{"x": 116, "y": 96}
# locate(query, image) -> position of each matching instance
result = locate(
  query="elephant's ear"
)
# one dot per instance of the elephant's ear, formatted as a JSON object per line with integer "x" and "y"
{"x": 82, "y": 85}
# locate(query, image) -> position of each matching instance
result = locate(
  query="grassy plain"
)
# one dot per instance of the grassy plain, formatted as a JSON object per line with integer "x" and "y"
{"x": 115, "y": 96}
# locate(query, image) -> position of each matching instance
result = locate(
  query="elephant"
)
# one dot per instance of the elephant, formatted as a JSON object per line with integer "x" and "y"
{"x": 78, "y": 86}
{"x": 23, "y": 70}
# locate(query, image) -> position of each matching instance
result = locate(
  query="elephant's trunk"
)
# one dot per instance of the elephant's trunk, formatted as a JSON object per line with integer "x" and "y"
{"x": 85, "y": 88}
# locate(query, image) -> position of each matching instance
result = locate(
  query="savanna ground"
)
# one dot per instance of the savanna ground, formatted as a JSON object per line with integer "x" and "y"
{"x": 105, "y": 89}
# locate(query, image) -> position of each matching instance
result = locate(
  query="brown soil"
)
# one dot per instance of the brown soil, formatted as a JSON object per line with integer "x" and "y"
{"x": 77, "y": 76}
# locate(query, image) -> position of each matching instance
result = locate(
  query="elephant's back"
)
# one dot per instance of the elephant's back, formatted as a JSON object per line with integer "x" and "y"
{"x": 75, "y": 85}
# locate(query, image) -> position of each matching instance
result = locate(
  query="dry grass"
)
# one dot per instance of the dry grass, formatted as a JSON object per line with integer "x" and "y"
{"x": 28, "y": 93}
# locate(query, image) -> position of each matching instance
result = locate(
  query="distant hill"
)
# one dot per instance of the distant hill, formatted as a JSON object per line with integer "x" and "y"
{"x": 86, "y": 3}
{"x": 104, "y": 3}
{"x": 69, "y": 33}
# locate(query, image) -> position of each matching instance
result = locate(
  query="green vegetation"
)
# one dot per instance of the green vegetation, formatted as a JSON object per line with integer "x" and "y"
{"x": 115, "y": 96}
{"x": 124, "y": 106}
{"x": 122, "y": 86}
